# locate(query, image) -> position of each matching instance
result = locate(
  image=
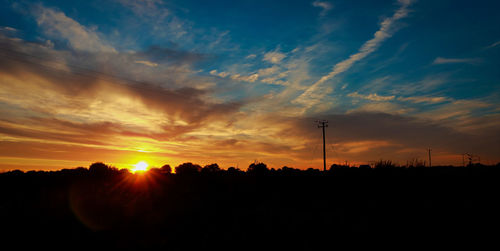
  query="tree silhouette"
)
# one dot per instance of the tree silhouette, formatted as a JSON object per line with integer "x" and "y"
{"x": 166, "y": 169}
{"x": 289, "y": 170}
{"x": 212, "y": 168}
{"x": 258, "y": 168}
{"x": 233, "y": 170}
{"x": 187, "y": 169}
{"x": 100, "y": 169}
{"x": 336, "y": 166}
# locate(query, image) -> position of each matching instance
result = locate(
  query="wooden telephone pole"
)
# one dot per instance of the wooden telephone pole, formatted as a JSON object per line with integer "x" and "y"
{"x": 430, "y": 163}
{"x": 322, "y": 124}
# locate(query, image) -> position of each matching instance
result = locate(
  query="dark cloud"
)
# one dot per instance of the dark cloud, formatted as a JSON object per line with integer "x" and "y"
{"x": 406, "y": 132}
{"x": 66, "y": 136}
{"x": 187, "y": 103}
{"x": 20, "y": 58}
{"x": 74, "y": 73}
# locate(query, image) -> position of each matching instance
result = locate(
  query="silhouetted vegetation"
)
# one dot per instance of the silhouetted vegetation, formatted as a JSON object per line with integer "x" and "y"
{"x": 258, "y": 168}
{"x": 187, "y": 169}
{"x": 166, "y": 169}
{"x": 262, "y": 208}
{"x": 212, "y": 168}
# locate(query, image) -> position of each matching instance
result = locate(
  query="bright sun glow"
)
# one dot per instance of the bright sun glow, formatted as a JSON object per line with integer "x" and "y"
{"x": 140, "y": 167}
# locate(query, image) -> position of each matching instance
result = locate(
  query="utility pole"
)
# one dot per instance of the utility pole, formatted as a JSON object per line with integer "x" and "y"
{"x": 430, "y": 163}
{"x": 323, "y": 124}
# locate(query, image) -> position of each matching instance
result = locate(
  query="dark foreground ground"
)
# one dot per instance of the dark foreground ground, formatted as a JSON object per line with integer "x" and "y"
{"x": 398, "y": 207}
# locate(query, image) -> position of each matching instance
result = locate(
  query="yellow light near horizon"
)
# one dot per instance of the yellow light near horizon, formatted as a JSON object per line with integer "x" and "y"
{"x": 141, "y": 166}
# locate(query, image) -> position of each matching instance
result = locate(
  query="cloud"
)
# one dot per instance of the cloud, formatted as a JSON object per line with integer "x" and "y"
{"x": 251, "y": 56}
{"x": 238, "y": 77}
{"x": 388, "y": 27}
{"x": 106, "y": 106}
{"x": 398, "y": 131}
{"x": 455, "y": 110}
{"x": 325, "y": 6}
{"x": 493, "y": 45}
{"x": 382, "y": 107}
{"x": 371, "y": 96}
{"x": 108, "y": 87}
{"x": 440, "y": 60}
{"x": 159, "y": 20}
{"x": 429, "y": 83}
{"x": 274, "y": 57}
{"x": 250, "y": 78}
{"x": 7, "y": 29}
{"x": 425, "y": 99}
{"x": 147, "y": 63}
{"x": 220, "y": 74}
{"x": 269, "y": 71}
{"x": 57, "y": 25}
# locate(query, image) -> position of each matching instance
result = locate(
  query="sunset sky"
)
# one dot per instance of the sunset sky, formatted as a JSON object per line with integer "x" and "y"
{"x": 231, "y": 82}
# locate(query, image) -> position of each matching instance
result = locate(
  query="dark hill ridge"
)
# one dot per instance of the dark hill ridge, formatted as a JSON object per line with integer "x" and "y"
{"x": 259, "y": 209}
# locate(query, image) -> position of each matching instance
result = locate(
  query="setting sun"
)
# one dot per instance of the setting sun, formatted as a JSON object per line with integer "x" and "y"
{"x": 140, "y": 166}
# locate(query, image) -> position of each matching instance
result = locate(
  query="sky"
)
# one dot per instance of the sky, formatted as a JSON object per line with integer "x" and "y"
{"x": 233, "y": 82}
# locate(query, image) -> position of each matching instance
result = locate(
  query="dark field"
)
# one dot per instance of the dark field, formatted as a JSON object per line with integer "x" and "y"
{"x": 279, "y": 210}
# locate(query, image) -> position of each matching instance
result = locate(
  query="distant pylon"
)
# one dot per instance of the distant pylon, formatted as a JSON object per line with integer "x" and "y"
{"x": 322, "y": 124}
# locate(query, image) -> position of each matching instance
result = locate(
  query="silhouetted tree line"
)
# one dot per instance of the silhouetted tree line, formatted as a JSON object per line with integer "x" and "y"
{"x": 100, "y": 169}
{"x": 193, "y": 207}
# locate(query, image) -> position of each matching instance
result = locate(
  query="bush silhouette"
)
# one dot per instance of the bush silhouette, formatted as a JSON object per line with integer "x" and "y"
{"x": 212, "y": 168}
{"x": 385, "y": 164}
{"x": 187, "y": 169}
{"x": 289, "y": 170}
{"x": 234, "y": 171}
{"x": 336, "y": 166}
{"x": 258, "y": 168}
{"x": 100, "y": 169}
{"x": 166, "y": 169}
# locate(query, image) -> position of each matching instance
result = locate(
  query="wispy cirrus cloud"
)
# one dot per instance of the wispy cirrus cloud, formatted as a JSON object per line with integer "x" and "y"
{"x": 325, "y": 6}
{"x": 274, "y": 57}
{"x": 493, "y": 45}
{"x": 424, "y": 99}
{"x": 237, "y": 77}
{"x": 57, "y": 25}
{"x": 441, "y": 60}
{"x": 7, "y": 29}
{"x": 220, "y": 74}
{"x": 388, "y": 27}
{"x": 371, "y": 96}
{"x": 251, "y": 56}
{"x": 248, "y": 78}
{"x": 147, "y": 63}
